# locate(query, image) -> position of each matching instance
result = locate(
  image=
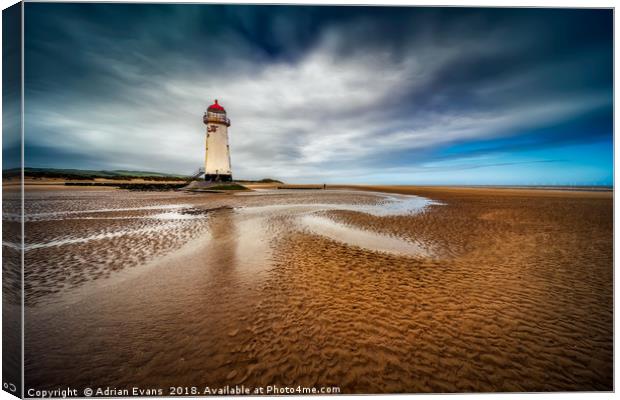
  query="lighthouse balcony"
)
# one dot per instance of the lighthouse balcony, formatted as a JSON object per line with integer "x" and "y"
{"x": 215, "y": 119}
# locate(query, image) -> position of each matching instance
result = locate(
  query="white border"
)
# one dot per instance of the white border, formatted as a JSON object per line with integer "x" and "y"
{"x": 452, "y": 3}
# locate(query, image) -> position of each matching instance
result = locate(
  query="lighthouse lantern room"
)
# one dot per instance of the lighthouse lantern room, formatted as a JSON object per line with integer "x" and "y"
{"x": 217, "y": 154}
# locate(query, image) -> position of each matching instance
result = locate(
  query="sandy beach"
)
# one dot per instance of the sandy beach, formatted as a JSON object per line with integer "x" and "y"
{"x": 368, "y": 289}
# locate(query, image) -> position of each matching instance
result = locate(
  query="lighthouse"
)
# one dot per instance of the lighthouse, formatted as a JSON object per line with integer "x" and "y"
{"x": 217, "y": 151}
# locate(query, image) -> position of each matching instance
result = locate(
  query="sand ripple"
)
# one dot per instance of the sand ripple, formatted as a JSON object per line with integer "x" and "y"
{"x": 516, "y": 295}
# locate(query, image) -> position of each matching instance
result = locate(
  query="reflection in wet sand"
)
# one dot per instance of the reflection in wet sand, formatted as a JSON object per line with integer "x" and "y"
{"x": 361, "y": 238}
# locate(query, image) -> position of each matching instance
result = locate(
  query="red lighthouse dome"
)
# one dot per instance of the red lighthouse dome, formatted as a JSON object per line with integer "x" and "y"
{"x": 215, "y": 114}
{"x": 216, "y": 108}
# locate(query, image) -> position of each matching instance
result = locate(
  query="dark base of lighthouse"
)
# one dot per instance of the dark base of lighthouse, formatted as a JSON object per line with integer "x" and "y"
{"x": 218, "y": 178}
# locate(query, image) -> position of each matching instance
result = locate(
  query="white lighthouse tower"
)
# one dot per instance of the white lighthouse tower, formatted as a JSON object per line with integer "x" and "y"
{"x": 217, "y": 154}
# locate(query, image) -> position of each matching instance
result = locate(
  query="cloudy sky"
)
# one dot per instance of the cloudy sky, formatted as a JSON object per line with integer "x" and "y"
{"x": 324, "y": 94}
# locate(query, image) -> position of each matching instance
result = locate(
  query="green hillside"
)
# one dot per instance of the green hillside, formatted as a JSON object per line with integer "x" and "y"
{"x": 89, "y": 174}
{"x": 67, "y": 173}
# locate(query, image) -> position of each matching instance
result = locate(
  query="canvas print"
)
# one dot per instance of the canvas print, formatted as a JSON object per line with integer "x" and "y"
{"x": 206, "y": 199}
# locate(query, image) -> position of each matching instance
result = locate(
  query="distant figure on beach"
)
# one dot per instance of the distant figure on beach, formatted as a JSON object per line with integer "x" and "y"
{"x": 324, "y": 186}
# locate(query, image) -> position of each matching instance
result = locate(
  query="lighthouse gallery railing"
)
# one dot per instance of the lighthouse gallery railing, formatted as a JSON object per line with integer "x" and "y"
{"x": 210, "y": 117}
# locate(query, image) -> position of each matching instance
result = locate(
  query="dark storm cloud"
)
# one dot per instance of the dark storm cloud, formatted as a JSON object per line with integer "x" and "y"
{"x": 313, "y": 92}
{"x": 11, "y": 84}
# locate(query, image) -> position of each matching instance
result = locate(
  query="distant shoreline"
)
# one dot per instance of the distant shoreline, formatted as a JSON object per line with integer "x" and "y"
{"x": 602, "y": 188}
{"x": 427, "y": 190}
{"x": 520, "y": 191}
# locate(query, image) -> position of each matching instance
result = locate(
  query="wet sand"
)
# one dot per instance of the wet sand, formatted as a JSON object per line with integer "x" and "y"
{"x": 457, "y": 290}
